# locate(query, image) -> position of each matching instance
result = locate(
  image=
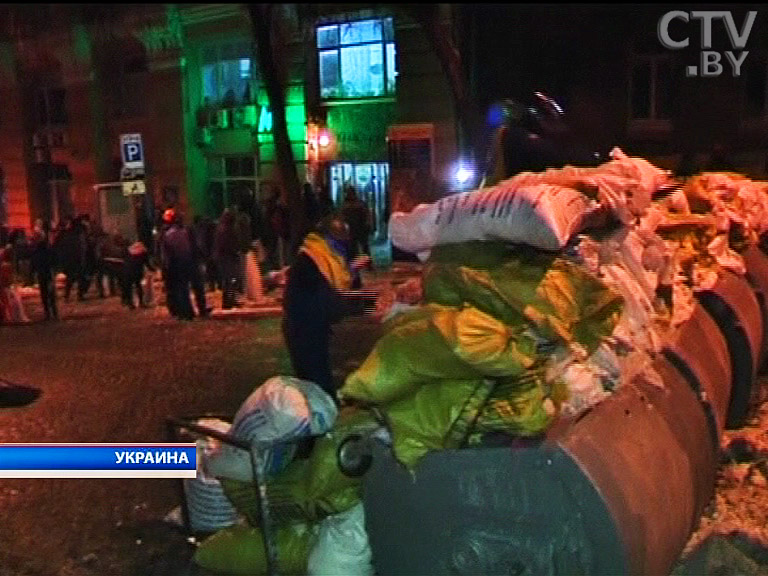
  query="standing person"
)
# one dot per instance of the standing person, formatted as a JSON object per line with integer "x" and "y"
{"x": 358, "y": 217}
{"x": 101, "y": 242}
{"x": 311, "y": 207}
{"x": 277, "y": 230}
{"x": 178, "y": 266}
{"x": 314, "y": 300}
{"x": 136, "y": 261}
{"x": 227, "y": 255}
{"x": 325, "y": 205}
{"x": 42, "y": 261}
{"x": 70, "y": 247}
{"x": 11, "y": 306}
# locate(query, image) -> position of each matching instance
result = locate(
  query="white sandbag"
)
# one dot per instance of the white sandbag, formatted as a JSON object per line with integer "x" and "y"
{"x": 342, "y": 546}
{"x": 209, "y": 508}
{"x": 541, "y": 215}
{"x": 148, "y": 287}
{"x": 17, "y": 314}
{"x": 280, "y": 410}
{"x": 254, "y": 289}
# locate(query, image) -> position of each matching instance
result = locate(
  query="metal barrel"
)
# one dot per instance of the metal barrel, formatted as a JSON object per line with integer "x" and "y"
{"x": 756, "y": 262}
{"x": 618, "y": 491}
{"x": 734, "y": 307}
{"x": 700, "y": 352}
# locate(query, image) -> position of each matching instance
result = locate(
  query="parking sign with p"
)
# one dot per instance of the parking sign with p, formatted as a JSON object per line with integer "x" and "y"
{"x": 132, "y": 151}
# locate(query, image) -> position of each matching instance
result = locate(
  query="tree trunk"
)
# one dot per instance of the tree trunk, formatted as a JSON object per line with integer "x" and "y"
{"x": 440, "y": 37}
{"x": 264, "y": 27}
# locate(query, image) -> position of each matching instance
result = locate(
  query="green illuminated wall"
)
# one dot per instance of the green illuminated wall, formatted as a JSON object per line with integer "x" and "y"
{"x": 361, "y": 130}
{"x": 296, "y": 118}
{"x": 256, "y": 140}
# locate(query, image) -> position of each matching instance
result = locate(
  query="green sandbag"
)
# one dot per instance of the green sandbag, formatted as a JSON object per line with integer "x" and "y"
{"x": 327, "y": 488}
{"x": 286, "y": 493}
{"x": 517, "y": 406}
{"x": 411, "y": 353}
{"x": 520, "y": 285}
{"x": 308, "y": 489}
{"x": 421, "y": 422}
{"x": 239, "y": 550}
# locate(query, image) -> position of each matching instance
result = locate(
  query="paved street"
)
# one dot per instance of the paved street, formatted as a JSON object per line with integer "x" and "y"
{"x": 112, "y": 375}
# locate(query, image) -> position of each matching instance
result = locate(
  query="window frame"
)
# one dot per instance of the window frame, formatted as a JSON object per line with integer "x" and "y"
{"x": 220, "y": 47}
{"x": 383, "y": 42}
{"x": 228, "y": 182}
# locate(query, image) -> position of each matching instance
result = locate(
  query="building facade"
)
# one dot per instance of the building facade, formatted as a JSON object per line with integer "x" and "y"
{"x": 367, "y": 105}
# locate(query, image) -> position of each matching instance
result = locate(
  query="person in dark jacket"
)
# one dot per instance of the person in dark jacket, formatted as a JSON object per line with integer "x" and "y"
{"x": 43, "y": 262}
{"x": 358, "y": 217}
{"x": 136, "y": 261}
{"x": 318, "y": 293}
{"x": 178, "y": 267}
{"x": 226, "y": 251}
{"x": 71, "y": 248}
{"x": 325, "y": 205}
{"x": 311, "y": 206}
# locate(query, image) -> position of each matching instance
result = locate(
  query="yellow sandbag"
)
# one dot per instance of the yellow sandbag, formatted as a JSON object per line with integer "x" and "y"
{"x": 421, "y": 422}
{"x": 560, "y": 299}
{"x": 413, "y": 352}
{"x": 239, "y": 550}
{"x": 485, "y": 343}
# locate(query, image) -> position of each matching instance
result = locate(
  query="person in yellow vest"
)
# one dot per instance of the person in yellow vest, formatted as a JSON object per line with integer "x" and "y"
{"x": 322, "y": 287}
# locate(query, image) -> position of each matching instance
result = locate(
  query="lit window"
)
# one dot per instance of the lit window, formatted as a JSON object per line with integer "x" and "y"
{"x": 228, "y": 74}
{"x": 357, "y": 59}
{"x": 651, "y": 88}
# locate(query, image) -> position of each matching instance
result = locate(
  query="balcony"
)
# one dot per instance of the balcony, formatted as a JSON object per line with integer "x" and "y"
{"x": 241, "y": 117}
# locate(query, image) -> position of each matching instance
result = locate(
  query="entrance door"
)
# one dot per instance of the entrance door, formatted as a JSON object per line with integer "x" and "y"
{"x": 371, "y": 181}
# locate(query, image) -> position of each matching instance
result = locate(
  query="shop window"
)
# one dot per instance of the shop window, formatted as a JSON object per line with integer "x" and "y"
{"x": 371, "y": 182}
{"x": 50, "y": 106}
{"x": 229, "y": 74}
{"x": 357, "y": 59}
{"x": 232, "y": 180}
{"x": 651, "y": 88}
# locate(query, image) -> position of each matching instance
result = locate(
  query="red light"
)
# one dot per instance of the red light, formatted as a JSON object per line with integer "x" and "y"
{"x": 323, "y": 140}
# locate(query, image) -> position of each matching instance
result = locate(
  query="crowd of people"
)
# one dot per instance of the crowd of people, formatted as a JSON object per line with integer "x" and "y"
{"x": 207, "y": 255}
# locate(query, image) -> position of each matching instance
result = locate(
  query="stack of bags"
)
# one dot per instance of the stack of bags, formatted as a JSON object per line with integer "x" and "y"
{"x": 539, "y": 297}
{"x": 318, "y": 523}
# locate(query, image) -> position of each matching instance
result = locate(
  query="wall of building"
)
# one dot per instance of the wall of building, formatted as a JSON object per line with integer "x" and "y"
{"x": 12, "y": 140}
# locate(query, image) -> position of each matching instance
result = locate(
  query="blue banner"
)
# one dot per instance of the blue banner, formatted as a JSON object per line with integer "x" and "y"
{"x": 104, "y": 457}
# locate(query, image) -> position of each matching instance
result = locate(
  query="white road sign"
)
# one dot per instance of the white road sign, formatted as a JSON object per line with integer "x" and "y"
{"x": 134, "y": 188}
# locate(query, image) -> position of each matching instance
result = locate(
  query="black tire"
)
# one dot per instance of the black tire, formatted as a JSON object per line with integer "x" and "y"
{"x": 353, "y": 456}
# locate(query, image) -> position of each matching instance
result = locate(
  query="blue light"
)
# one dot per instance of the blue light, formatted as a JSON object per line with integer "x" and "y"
{"x": 463, "y": 175}
{"x": 495, "y": 115}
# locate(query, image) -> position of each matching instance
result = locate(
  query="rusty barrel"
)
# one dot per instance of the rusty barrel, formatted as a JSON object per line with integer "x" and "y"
{"x": 618, "y": 491}
{"x": 756, "y": 262}
{"x": 700, "y": 352}
{"x": 734, "y": 307}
